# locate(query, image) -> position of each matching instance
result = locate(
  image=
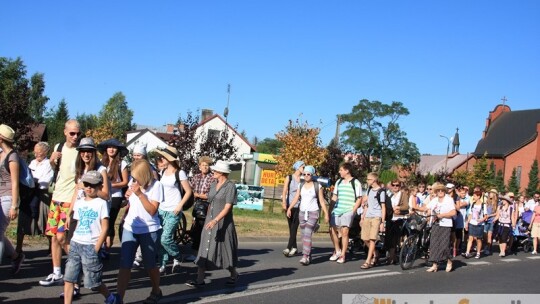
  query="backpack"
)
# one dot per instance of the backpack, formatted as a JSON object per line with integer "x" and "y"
{"x": 189, "y": 203}
{"x": 316, "y": 187}
{"x": 387, "y": 202}
{"x": 26, "y": 180}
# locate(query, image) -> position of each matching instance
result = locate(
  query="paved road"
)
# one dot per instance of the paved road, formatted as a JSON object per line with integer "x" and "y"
{"x": 268, "y": 277}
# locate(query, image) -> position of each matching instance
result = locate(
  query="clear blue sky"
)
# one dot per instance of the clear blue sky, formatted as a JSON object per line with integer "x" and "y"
{"x": 449, "y": 62}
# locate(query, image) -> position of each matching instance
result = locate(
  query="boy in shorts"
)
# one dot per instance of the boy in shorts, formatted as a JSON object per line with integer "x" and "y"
{"x": 93, "y": 223}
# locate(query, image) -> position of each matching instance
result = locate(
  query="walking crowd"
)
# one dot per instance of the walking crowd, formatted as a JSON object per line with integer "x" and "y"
{"x": 74, "y": 198}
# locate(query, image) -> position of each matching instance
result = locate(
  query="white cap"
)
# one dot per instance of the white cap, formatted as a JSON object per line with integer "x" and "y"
{"x": 139, "y": 149}
{"x": 450, "y": 186}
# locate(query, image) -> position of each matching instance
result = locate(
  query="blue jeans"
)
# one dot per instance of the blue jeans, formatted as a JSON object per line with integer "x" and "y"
{"x": 169, "y": 222}
{"x": 87, "y": 257}
{"x": 149, "y": 243}
{"x": 5, "y": 244}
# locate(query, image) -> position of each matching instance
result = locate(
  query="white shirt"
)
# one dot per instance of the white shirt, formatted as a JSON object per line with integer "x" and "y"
{"x": 445, "y": 206}
{"x": 308, "y": 198}
{"x": 117, "y": 192}
{"x": 138, "y": 220}
{"x": 170, "y": 190}
{"x": 477, "y": 213}
{"x": 531, "y": 204}
{"x": 89, "y": 215}
{"x": 395, "y": 201}
{"x": 42, "y": 171}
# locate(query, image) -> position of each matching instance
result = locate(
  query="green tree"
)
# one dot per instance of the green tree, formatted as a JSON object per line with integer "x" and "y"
{"x": 117, "y": 116}
{"x": 269, "y": 146}
{"x": 15, "y": 100}
{"x": 499, "y": 181}
{"x": 56, "y": 120}
{"x": 330, "y": 166}
{"x": 513, "y": 185}
{"x": 532, "y": 186}
{"x": 372, "y": 129}
{"x": 38, "y": 101}
{"x": 482, "y": 175}
{"x": 87, "y": 122}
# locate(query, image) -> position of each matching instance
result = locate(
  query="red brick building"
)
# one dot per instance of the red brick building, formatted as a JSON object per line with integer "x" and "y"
{"x": 510, "y": 140}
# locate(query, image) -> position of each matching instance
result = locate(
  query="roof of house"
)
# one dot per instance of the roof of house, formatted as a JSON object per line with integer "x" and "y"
{"x": 509, "y": 132}
{"x": 141, "y": 133}
{"x": 436, "y": 163}
{"x": 253, "y": 148}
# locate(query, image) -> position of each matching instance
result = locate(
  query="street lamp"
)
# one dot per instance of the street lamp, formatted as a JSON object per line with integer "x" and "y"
{"x": 447, "y": 151}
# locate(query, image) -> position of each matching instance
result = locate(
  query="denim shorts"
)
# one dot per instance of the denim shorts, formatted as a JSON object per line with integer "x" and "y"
{"x": 84, "y": 256}
{"x": 150, "y": 244}
{"x": 488, "y": 227}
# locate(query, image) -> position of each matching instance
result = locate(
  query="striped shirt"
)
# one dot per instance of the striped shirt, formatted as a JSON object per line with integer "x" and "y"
{"x": 346, "y": 196}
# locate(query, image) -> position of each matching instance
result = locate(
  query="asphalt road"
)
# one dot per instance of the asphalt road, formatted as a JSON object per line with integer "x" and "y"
{"x": 269, "y": 277}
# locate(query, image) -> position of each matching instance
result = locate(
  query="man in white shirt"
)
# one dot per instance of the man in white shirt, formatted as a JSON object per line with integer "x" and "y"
{"x": 533, "y": 202}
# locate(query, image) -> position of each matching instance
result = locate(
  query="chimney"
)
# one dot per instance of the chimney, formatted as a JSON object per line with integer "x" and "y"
{"x": 170, "y": 129}
{"x": 206, "y": 113}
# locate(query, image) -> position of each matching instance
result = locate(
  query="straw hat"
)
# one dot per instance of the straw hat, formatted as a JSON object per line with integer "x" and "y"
{"x": 7, "y": 133}
{"x": 169, "y": 153}
{"x": 86, "y": 143}
{"x": 221, "y": 166}
{"x": 438, "y": 186}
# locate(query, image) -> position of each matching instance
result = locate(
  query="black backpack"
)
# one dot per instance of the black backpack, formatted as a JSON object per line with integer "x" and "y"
{"x": 189, "y": 203}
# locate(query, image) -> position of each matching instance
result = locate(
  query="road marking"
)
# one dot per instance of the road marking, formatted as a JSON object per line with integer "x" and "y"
{"x": 479, "y": 263}
{"x": 534, "y": 257}
{"x": 255, "y": 289}
{"x": 511, "y": 260}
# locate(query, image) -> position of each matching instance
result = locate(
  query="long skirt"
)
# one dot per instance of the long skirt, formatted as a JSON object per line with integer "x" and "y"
{"x": 439, "y": 247}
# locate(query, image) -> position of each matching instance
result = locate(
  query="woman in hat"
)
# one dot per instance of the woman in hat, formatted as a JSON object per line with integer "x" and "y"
{"x": 504, "y": 218}
{"x": 311, "y": 201}
{"x": 442, "y": 208}
{"x": 290, "y": 187}
{"x": 113, "y": 152}
{"x": 9, "y": 195}
{"x": 219, "y": 243}
{"x": 141, "y": 228}
{"x": 491, "y": 207}
{"x": 170, "y": 210}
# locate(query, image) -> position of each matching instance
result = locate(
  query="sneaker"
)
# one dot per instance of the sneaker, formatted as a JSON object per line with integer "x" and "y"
{"x": 292, "y": 252}
{"x": 153, "y": 298}
{"x": 136, "y": 264}
{"x": 502, "y": 255}
{"x": 17, "y": 263}
{"x": 175, "y": 266}
{"x": 190, "y": 258}
{"x": 162, "y": 270}
{"x": 304, "y": 261}
{"x": 477, "y": 256}
{"x": 335, "y": 256}
{"x": 52, "y": 279}
{"x": 113, "y": 298}
{"x": 76, "y": 293}
{"x": 341, "y": 260}
{"x": 534, "y": 252}
{"x": 286, "y": 252}
{"x": 468, "y": 255}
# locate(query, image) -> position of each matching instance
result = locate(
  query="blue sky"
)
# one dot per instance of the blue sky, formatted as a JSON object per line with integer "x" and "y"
{"x": 448, "y": 62}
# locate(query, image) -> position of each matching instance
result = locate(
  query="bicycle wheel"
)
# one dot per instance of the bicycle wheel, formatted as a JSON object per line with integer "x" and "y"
{"x": 407, "y": 254}
{"x": 181, "y": 231}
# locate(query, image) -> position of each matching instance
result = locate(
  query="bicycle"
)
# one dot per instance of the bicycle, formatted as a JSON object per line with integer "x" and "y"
{"x": 181, "y": 234}
{"x": 417, "y": 241}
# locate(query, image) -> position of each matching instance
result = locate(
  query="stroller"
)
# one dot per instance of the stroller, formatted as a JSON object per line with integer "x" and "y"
{"x": 522, "y": 235}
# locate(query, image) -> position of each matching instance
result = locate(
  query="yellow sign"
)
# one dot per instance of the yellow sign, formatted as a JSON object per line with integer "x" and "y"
{"x": 268, "y": 178}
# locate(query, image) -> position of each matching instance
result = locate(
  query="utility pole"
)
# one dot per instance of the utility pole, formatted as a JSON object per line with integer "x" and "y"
{"x": 226, "y": 111}
{"x": 447, "y": 151}
{"x": 336, "y": 137}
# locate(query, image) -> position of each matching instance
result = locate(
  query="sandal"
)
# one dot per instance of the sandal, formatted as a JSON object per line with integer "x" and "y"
{"x": 153, "y": 298}
{"x": 366, "y": 266}
{"x": 374, "y": 261}
{"x": 232, "y": 281}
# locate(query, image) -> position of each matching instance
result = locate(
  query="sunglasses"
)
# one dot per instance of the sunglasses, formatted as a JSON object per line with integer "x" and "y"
{"x": 74, "y": 133}
{"x": 88, "y": 185}
{"x": 429, "y": 188}
{"x": 395, "y": 185}
{"x": 307, "y": 174}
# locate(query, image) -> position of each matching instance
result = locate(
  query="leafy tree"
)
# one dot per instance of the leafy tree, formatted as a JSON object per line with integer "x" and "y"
{"x": 533, "y": 179}
{"x": 38, "y": 101}
{"x": 481, "y": 175}
{"x": 372, "y": 129}
{"x": 269, "y": 146}
{"x": 513, "y": 185}
{"x": 300, "y": 142}
{"x": 387, "y": 176}
{"x": 102, "y": 132}
{"x": 87, "y": 122}
{"x": 56, "y": 120}
{"x": 115, "y": 117}
{"x": 15, "y": 100}
{"x": 330, "y": 166}
{"x": 499, "y": 181}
